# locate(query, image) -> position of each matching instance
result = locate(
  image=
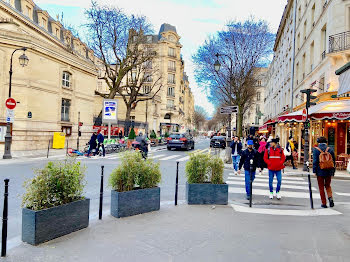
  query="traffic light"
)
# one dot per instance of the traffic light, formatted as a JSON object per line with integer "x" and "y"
{"x": 309, "y": 97}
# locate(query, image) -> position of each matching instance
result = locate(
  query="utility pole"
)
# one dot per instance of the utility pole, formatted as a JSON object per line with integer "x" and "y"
{"x": 309, "y": 97}
{"x": 79, "y": 133}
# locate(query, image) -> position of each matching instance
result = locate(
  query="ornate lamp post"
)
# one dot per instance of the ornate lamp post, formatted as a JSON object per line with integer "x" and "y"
{"x": 23, "y": 61}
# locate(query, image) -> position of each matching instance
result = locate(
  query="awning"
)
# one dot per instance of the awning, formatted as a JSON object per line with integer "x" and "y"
{"x": 263, "y": 128}
{"x": 344, "y": 79}
{"x": 331, "y": 110}
{"x": 294, "y": 116}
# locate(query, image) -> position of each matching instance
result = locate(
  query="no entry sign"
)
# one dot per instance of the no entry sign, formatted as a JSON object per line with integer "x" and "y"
{"x": 10, "y": 103}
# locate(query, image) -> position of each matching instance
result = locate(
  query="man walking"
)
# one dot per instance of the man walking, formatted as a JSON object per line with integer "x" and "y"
{"x": 236, "y": 147}
{"x": 274, "y": 159}
{"x": 324, "y": 168}
{"x": 143, "y": 145}
{"x": 247, "y": 155}
{"x": 100, "y": 140}
{"x": 92, "y": 144}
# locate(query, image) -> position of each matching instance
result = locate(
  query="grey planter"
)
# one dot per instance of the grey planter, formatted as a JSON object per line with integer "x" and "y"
{"x": 206, "y": 194}
{"x": 124, "y": 204}
{"x": 44, "y": 225}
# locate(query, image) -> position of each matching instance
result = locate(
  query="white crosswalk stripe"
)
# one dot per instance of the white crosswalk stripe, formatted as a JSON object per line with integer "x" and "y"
{"x": 265, "y": 185}
{"x": 183, "y": 159}
{"x": 264, "y": 192}
{"x": 157, "y": 156}
{"x": 169, "y": 157}
{"x": 266, "y": 179}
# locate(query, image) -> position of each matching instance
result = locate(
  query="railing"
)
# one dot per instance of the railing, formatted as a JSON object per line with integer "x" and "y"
{"x": 323, "y": 55}
{"x": 339, "y": 42}
{"x": 172, "y": 69}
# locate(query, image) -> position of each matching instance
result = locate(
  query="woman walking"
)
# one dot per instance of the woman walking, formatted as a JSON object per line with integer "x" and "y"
{"x": 289, "y": 151}
{"x": 261, "y": 152}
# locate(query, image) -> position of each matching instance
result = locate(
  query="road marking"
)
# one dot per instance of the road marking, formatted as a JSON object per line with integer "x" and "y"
{"x": 266, "y": 185}
{"x": 343, "y": 194}
{"x": 169, "y": 157}
{"x": 284, "y": 212}
{"x": 157, "y": 156}
{"x": 266, "y": 180}
{"x": 283, "y": 177}
{"x": 183, "y": 159}
{"x": 262, "y": 192}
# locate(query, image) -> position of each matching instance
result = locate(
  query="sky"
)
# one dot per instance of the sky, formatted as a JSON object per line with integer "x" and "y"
{"x": 195, "y": 20}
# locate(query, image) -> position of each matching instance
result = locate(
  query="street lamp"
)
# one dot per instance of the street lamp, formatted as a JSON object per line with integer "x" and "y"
{"x": 217, "y": 65}
{"x": 23, "y": 61}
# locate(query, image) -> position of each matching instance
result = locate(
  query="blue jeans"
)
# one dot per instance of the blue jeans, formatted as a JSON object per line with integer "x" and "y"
{"x": 247, "y": 181}
{"x": 235, "y": 161}
{"x": 279, "y": 180}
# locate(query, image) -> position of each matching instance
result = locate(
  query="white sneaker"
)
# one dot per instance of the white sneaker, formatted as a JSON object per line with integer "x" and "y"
{"x": 271, "y": 195}
{"x": 278, "y": 194}
{"x": 236, "y": 173}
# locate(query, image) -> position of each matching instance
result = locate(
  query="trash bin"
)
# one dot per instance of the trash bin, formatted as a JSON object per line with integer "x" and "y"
{"x": 59, "y": 139}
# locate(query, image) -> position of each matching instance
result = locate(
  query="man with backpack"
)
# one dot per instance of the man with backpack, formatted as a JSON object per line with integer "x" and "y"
{"x": 324, "y": 168}
{"x": 274, "y": 159}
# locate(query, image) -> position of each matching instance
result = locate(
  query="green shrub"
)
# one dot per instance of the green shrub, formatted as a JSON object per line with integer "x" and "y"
{"x": 202, "y": 168}
{"x": 153, "y": 135}
{"x": 56, "y": 184}
{"x": 166, "y": 135}
{"x": 134, "y": 172}
{"x": 132, "y": 134}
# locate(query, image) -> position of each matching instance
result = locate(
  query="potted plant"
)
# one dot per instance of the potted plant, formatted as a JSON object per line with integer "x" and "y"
{"x": 134, "y": 186}
{"x": 205, "y": 183}
{"x": 153, "y": 138}
{"x": 131, "y": 137}
{"x": 53, "y": 204}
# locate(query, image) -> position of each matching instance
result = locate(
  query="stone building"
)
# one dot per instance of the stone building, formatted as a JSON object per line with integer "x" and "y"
{"x": 58, "y": 83}
{"x": 172, "y": 108}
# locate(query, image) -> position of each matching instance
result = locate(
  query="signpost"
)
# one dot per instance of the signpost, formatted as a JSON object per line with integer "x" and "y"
{"x": 110, "y": 113}
{"x": 304, "y": 115}
{"x": 10, "y": 103}
{"x": 228, "y": 110}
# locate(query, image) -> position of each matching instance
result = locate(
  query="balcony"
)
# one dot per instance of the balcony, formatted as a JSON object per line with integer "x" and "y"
{"x": 339, "y": 42}
{"x": 172, "y": 69}
{"x": 323, "y": 55}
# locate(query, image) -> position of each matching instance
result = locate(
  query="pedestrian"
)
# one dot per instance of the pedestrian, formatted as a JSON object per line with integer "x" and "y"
{"x": 143, "y": 145}
{"x": 236, "y": 147}
{"x": 247, "y": 155}
{"x": 100, "y": 140}
{"x": 92, "y": 144}
{"x": 274, "y": 159}
{"x": 120, "y": 134}
{"x": 261, "y": 152}
{"x": 324, "y": 168}
{"x": 289, "y": 150}
{"x": 256, "y": 143}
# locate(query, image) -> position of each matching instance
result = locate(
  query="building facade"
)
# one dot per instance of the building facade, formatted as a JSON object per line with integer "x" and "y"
{"x": 311, "y": 44}
{"x": 172, "y": 108}
{"x": 57, "y": 85}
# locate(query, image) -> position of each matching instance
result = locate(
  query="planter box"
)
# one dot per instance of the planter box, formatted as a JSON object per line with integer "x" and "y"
{"x": 202, "y": 194}
{"x": 124, "y": 204}
{"x": 44, "y": 225}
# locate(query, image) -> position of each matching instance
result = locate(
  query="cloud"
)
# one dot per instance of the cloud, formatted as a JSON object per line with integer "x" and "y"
{"x": 194, "y": 21}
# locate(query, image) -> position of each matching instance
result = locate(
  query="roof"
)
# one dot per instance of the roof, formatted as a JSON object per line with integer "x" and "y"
{"x": 166, "y": 27}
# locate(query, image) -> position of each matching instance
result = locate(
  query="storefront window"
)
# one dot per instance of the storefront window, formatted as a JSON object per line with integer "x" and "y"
{"x": 348, "y": 139}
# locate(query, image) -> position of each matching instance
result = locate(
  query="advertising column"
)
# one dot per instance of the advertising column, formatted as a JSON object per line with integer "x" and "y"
{"x": 110, "y": 113}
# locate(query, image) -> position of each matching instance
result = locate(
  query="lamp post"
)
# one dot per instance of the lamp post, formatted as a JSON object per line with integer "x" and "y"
{"x": 217, "y": 67}
{"x": 23, "y": 61}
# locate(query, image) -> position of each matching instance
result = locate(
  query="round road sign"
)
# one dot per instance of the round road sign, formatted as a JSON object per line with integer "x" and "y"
{"x": 10, "y": 103}
{"x": 304, "y": 116}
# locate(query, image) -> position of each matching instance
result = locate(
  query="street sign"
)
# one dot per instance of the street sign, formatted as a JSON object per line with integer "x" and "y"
{"x": 228, "y": 109}
{"x": 10, "y": 103}
{"x": 110, "y": 111}
{"x": 304, "y": 116}
{"x": 10, "y": 116}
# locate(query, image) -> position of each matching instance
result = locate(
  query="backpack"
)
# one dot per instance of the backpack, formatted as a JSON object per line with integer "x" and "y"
{"x": 325, "y": 159}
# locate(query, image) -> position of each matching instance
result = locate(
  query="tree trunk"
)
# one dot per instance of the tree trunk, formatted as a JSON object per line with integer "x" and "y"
{"x": 127, "y": 120}
{"x": 240, "y": 122}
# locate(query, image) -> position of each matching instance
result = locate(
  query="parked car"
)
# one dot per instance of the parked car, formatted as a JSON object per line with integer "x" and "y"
{"x": 180, "y": 141}
{"x": 218, "y": 142}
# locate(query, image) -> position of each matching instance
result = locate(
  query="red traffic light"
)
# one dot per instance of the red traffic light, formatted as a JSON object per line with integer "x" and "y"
{"x": 80, "y": 123}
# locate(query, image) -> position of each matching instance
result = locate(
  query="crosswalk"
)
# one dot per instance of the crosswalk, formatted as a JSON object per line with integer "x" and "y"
{"x": 292, "y": 187}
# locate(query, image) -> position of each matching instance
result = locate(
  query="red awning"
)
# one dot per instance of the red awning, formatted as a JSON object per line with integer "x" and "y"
{"x": 263, "y": 128}
{"x": 294, "y": 116}
{"x": 331, "y": 110}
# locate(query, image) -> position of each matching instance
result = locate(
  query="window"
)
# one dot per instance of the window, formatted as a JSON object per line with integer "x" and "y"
{"x": 171, "y": 52}
{"x": 134, "y": 38}
{"x": 171, "y": 65}
{"x": 28, "y": 12}
{"x": 133, "y": 77}
{"x": 57, "y": 32}
{"x": 259, "y": 83}
{"x": 170, "y": 104}
{"x": 171, "y": 91}
{"x": 257, "y": 108}
{"x": 147, "y": 89}
{"x": 258, "y": 96}
{"x": 66, "y": 79}
{"x": 43, "y": 22}
{"x": 65, "y": 107}
{"x": 67, "y": 130}
{"x": 147, "y": 65}
{"x": 148, "y": 77}
{"x": 171, "y": 78}
{"x": 149, "y": 39}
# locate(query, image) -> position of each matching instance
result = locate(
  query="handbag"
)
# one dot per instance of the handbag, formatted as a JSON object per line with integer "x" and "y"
{"x": 286, "y": 152}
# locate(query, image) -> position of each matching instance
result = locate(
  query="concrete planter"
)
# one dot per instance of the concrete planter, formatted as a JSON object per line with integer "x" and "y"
{"x": 124, "y": 204}
{"x": 206, "y": 194}
{"x": 44, "y": 225}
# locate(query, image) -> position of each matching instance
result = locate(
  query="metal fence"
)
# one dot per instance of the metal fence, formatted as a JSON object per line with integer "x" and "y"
{"x": 339, "y": 42}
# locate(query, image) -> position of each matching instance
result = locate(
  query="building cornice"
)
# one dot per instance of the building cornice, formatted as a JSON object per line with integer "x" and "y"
{"x": 282, "y": 23}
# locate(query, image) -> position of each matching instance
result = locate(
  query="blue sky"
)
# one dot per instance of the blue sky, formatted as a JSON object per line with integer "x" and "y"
{"x": 194, "y": 20}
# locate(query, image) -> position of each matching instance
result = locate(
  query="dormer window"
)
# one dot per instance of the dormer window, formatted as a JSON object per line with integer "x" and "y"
{"x": 28, "y": 12}
{"x": 43, "y": 22}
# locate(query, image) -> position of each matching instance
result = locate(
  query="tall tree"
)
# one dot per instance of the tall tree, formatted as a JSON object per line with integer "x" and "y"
{"x": 242, "y": 47}
{"x": 125, "y": 58}
{"x": 199, "y": 117}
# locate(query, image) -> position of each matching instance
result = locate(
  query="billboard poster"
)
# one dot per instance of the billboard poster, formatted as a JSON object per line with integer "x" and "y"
{"x": 2, "y": 133}
{"x": 110, "y": 111}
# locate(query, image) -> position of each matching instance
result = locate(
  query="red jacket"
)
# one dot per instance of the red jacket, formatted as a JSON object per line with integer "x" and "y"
{"x": 274, "y": 158}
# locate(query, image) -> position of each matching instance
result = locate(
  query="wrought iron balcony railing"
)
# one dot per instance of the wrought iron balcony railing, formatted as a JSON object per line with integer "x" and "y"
{"x": 339, "y": 42}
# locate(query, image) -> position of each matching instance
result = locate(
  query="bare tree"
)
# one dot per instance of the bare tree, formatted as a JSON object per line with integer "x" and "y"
{"x": 199, "y": 117}
{"x": 119, "y": 40}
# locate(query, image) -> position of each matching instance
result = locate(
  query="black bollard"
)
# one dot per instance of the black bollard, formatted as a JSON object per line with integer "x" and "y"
{"x": 251, "y": 182}
{"x": 101, "y": 194}
{"x": 4, "y": 219}
{"x": 310, "y": 188}
{"x": 177, "y": 182}
{"x": 67, "y": 148}
{"x": 48, "y": 149}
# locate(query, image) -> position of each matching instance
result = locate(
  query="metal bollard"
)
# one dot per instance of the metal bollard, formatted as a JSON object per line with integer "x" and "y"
{"x": 177, "y": 182}
{"x": 101, "y": 194}
{"x": 4, "y": 219}
{"x": 48, "y": 149}
{"x": 67, "y": 148}
{"x": 310, "y": 188}
{"x": 251, "y": 182}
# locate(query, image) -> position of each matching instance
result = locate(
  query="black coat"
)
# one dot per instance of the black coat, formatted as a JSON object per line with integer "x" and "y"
{"x": 92, "y": 142}
{"x": 246, "y": 156}
{"x": 239, "y": 147}
{"x": 316, "y": 162}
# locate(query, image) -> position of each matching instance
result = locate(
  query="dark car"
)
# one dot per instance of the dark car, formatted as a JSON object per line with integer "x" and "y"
{"x": 218, "y": 142}
{"x": 180, "y": 141}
